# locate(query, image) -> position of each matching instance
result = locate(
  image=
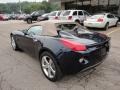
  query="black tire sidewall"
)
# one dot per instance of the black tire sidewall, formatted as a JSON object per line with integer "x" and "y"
{"x": 58, "y": 74}
{"x": 29, "y": 21}
{"x": 77, "y": 21}
{"x": 106, "y": 26}
{"x": 116, "y": 24}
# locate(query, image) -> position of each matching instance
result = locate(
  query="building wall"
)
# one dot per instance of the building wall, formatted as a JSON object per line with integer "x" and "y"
{"x": 105, "y": 2}
{"x": 94, "y": 2}
{"x": 86, "y": 2}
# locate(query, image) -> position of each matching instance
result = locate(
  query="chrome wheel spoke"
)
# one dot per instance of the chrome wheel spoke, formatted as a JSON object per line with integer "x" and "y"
{"x": 49, "y": 73}
{"x": 45, "y": 66}
{"x": 50, "y": 62}
{"x": 45, "y": 60}
{"x": 52, "y": 70}
{"x": 52, "y": 66}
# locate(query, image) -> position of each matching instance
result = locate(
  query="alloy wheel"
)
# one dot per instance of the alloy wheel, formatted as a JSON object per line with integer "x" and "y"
{"x": 29, "y": 21}
{"x": 48, "y": 67}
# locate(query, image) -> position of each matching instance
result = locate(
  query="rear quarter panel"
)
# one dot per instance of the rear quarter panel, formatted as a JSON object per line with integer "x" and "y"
{"x": 50, "y": 44}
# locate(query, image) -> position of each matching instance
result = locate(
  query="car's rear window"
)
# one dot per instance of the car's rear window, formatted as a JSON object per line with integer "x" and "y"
{"x": 59, "y": 13}
{"x": 97, "y": 16}
{"x": 53, "y": 14}
{"x": 45, "y": 15}
{"x": 66, "y": 13}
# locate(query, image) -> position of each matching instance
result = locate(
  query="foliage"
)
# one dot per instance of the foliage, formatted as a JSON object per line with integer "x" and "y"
{"x": 28, "y": 7}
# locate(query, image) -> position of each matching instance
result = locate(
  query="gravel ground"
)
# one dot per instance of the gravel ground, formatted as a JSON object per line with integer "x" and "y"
{"x": 19, "y": 71}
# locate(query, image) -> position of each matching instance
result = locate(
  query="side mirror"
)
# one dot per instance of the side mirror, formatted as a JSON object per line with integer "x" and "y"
{"x": 25, "y": 31}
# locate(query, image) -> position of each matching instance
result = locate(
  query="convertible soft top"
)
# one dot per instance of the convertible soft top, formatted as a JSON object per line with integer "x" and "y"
{"x": 49, "y": 27}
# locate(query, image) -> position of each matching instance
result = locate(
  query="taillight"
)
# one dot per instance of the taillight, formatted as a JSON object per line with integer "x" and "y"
{"x": 70, "y": 17}
{"x": 100, "y": 20}
{"x": 56, "y": 17}
{"x": 1, "y": 18}
{"x": 74, "y": 46}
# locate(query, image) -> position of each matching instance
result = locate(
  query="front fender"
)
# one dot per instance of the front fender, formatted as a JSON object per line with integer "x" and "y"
{"x": 17, "y": 33}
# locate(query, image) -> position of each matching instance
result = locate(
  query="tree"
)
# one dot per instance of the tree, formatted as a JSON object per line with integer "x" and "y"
{"x": 28, "y": 7}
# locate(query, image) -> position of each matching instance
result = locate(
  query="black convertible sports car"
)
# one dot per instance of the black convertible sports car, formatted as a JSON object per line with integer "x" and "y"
{"x": 62, "y": 47}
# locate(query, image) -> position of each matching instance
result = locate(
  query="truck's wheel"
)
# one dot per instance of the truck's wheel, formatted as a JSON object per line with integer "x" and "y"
{"x": 29, "y": 21}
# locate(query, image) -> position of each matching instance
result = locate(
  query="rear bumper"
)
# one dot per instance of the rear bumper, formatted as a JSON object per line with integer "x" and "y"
{"x": 70, "y": 61}
{"x": 94, "y": 24}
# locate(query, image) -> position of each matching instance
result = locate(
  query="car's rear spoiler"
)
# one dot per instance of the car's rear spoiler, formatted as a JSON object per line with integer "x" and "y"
{"x": 100, "y": 44}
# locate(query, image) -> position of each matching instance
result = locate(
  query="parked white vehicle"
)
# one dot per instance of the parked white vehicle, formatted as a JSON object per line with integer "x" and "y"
{"x": 103, "y": 20}
{"x": 21, "y": 17}
{"x": 74, "y": 15}
{"x": 54, "y": 15}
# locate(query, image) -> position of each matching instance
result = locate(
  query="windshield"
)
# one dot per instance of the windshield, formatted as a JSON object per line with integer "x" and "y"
{"x": 32, "y": 13}
{"x": 52, "y": 14}
{"x": 45, "y": 15}
{"x": 66, "y": 27}
{"x": 66, "y": 13}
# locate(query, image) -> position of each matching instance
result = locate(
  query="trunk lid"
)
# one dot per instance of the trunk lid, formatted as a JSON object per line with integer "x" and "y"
{"x": 95, "y": 18}
{"x": 83, "y": 41}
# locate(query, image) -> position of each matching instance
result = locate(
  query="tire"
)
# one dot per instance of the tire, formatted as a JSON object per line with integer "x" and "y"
{"x": 106, "y": 26}
{"x": 88, "y": 27}
{"x": 116, "y": 24}
{"x": 13, "y": 43}
{"x": 77, "y": 21}
{"x": 49, "y": 67}
{"x": 29, "y": 21}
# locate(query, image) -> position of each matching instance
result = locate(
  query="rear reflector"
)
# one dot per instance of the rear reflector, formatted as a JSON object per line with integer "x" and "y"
{"x": 56, "y": 17}
{"x": 70, "y": 17}
{"x": 73, "y": 45}
{"x": 100, "y": 20}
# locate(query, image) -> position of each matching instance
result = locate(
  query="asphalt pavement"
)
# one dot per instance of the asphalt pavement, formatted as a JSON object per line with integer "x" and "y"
{"x": 19, "y": 71}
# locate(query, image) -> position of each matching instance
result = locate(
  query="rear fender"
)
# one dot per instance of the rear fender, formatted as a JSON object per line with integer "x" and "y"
{"x": 49, "y": 44}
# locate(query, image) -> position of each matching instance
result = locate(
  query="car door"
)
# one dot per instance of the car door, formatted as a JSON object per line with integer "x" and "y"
{"x": 81, "y": 16}
{"x": 111, "y": 19}
{"x": 29, "y": 40}
{"x": 75, "y": 15}
{"x": 115, "y": 20}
